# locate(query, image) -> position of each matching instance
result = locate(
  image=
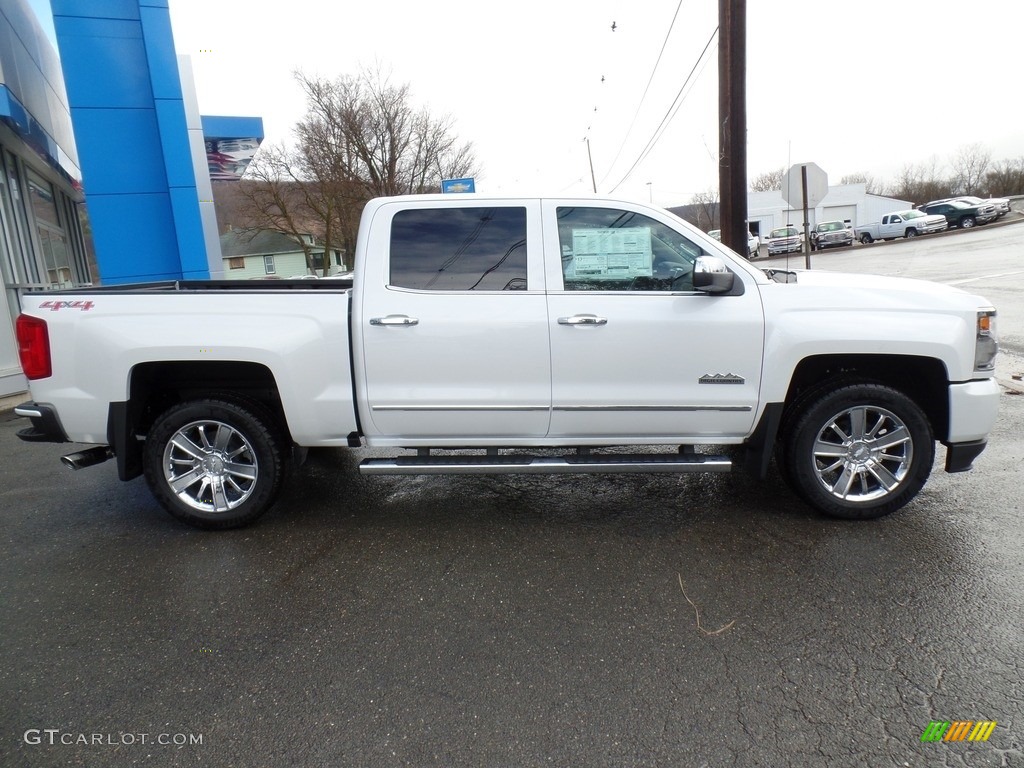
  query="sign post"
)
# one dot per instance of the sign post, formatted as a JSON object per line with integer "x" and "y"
{"x": 804, "y": 186}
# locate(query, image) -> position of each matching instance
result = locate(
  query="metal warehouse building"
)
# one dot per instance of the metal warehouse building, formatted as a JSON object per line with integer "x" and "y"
{"x": 850, "y": 203}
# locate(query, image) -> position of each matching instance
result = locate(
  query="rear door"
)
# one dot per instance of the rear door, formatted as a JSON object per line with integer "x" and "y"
{"x": 451, "y": 321}
{"x": 636, "y": 353}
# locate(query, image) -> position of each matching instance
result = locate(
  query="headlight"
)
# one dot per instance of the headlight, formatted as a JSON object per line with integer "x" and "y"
{"x": 986, "y": 343}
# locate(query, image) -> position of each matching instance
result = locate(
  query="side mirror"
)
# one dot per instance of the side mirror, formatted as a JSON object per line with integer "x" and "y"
{"x": 710, "y": 275}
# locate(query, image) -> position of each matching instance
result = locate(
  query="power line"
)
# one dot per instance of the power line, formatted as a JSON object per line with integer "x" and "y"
{"x": 646, "y": 89}
{"x": 669, "y": 114}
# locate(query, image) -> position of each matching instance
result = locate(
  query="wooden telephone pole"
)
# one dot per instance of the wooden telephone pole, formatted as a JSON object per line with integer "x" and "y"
{"x": 732, "y": 119}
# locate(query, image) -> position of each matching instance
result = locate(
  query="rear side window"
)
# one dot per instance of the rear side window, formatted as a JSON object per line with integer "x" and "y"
{"x": 459, "y": 249}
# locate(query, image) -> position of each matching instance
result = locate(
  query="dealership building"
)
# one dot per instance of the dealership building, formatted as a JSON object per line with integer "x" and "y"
{"x": 112, "y": 120}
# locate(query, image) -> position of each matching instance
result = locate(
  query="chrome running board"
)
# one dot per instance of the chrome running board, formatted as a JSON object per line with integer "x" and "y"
{"x": 491, "y": 463}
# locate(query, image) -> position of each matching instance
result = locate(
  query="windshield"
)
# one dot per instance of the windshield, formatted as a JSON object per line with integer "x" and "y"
{"x": 783, "y": 232}
{"x": 913, "y": 214}
{"x": 831, "y": 226}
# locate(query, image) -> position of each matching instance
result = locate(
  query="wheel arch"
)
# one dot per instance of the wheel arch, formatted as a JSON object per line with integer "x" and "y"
{"x": 156, "y": 386}
{"x": 923, "y": 379}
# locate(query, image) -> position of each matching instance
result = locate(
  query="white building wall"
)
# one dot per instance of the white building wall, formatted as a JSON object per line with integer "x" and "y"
{"x": 201, "y": 167}
{"x": 285, "y": 265}
{"x": 842, "y": 201}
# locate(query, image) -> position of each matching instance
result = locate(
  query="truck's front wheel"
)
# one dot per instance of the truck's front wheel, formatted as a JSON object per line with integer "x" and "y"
{"x": 214, "y": 463}
{"x": 859, "y": 451}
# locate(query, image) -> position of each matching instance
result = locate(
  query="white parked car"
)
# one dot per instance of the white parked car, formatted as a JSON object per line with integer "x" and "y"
{"x": 753, "y": 242}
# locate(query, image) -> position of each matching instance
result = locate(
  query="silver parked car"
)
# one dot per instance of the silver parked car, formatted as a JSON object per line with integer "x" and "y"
{"x": 784, "y": 240}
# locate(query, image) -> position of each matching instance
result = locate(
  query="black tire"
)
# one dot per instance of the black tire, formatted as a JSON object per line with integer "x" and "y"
{"x": 967, "y": 222}
{"x": 213, "y": 463}
{"x": 911, "y": 232}
{"x": 866, "y": 239}
{"x": 859, "y": 451}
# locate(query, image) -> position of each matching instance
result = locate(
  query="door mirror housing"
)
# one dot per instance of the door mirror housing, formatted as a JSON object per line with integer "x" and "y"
{"x": 710, "y": 275}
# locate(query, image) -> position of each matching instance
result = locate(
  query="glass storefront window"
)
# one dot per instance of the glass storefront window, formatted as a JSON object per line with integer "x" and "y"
{"x": 41, "y": 196}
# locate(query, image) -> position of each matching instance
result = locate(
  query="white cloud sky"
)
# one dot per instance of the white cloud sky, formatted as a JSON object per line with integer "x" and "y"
{"x": 854, "y": 87}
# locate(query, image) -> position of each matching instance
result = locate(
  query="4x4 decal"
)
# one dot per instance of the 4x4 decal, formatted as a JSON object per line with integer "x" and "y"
{"x": 53, "y": 306}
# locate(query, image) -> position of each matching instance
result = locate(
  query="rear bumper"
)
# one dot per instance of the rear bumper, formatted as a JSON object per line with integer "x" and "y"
{"x": 46, "y": 427}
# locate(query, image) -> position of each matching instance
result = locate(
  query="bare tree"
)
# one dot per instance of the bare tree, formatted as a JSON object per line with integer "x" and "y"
{"x": 362, "y": 137}
{"x": 277, "y": 194}
{"x": 1006, "y": 177}
{"x": 920, "y": 183}
{"x": 970, "y": 164}
{"x": 768, "y": 181}
{"x": 871, "y": 184}
{"x": 705, "y": 205}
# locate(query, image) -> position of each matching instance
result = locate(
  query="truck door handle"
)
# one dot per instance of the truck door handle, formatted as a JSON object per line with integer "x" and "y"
{"x": 394, "y": 320}
{"x": 583, "y": 320}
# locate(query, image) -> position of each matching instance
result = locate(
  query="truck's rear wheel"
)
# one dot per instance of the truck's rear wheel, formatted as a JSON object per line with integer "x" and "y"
{"x": 859, "y": 451}
{"x": 865, "y": 238}
{"x": 214, "y": 463}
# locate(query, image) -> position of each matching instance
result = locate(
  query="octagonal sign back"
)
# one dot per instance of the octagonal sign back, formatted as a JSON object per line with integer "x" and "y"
{"x": 792, "y": 186}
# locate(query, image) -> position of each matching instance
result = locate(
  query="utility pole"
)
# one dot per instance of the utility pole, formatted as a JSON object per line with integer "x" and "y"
{"x": 732, "y": 119}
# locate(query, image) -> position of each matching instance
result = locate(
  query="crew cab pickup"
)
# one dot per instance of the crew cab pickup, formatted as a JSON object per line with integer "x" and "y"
{"x": 532, "y": 335}
{"x": 830, "y": 234}
{"x": 901, "y": 224}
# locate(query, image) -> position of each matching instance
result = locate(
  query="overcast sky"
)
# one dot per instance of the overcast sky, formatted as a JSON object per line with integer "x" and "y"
{"x": 864, "y": 86}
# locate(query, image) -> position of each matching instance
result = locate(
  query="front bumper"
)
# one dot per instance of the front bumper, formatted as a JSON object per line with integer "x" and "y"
{"x": 973, "y": 408}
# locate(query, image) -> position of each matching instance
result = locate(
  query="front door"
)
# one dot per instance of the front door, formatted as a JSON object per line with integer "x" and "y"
{"x": 636, "y": 352}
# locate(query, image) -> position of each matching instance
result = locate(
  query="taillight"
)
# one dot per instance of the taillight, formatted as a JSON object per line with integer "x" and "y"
{"x": 33, "y": 347}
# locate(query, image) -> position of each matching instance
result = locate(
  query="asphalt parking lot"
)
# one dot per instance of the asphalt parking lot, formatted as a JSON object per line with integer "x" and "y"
{"x": 518, "y": 621}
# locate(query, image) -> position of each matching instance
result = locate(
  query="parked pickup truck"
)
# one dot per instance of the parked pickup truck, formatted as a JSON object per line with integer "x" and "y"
{"x": 529, "y": 335}
{"x": 830, "y": 234}
{"x": 901, "y": 224}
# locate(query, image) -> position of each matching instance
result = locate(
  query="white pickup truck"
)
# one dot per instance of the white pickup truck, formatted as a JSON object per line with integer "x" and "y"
{"x": 530, "y": 335}
{"x": 902, "y": 224}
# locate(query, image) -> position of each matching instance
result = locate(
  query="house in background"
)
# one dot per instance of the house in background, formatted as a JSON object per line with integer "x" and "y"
{"x": 264, "y": 253}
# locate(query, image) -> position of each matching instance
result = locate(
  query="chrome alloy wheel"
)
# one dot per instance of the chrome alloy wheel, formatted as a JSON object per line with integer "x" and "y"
{"x": 863, "y": 454}
{"x": 210, "y": 466}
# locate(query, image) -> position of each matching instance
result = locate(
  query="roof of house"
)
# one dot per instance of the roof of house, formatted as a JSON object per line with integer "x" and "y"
{"x": 261, "y": 242}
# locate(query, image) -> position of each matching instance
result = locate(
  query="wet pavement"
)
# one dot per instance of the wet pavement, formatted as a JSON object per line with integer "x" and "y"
{"x": 624, "y": 620}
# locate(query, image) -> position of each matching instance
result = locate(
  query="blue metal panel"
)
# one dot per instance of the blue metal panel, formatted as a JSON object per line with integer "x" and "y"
{"x": 108, "y": 9}
{"x": 125, "y": 94}
{"x": 120, "y": 151}
{"x": 104, "y": 63}
{"x": 221, "y": 127}
{"x": 135, "y": 235}
{"x": 170, "y": 117}
{"x": 191, "y": 242}
{"x": 163, "y": 61}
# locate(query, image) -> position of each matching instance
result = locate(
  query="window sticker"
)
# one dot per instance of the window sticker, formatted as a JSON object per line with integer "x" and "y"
{"x": 610, "y": 254}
